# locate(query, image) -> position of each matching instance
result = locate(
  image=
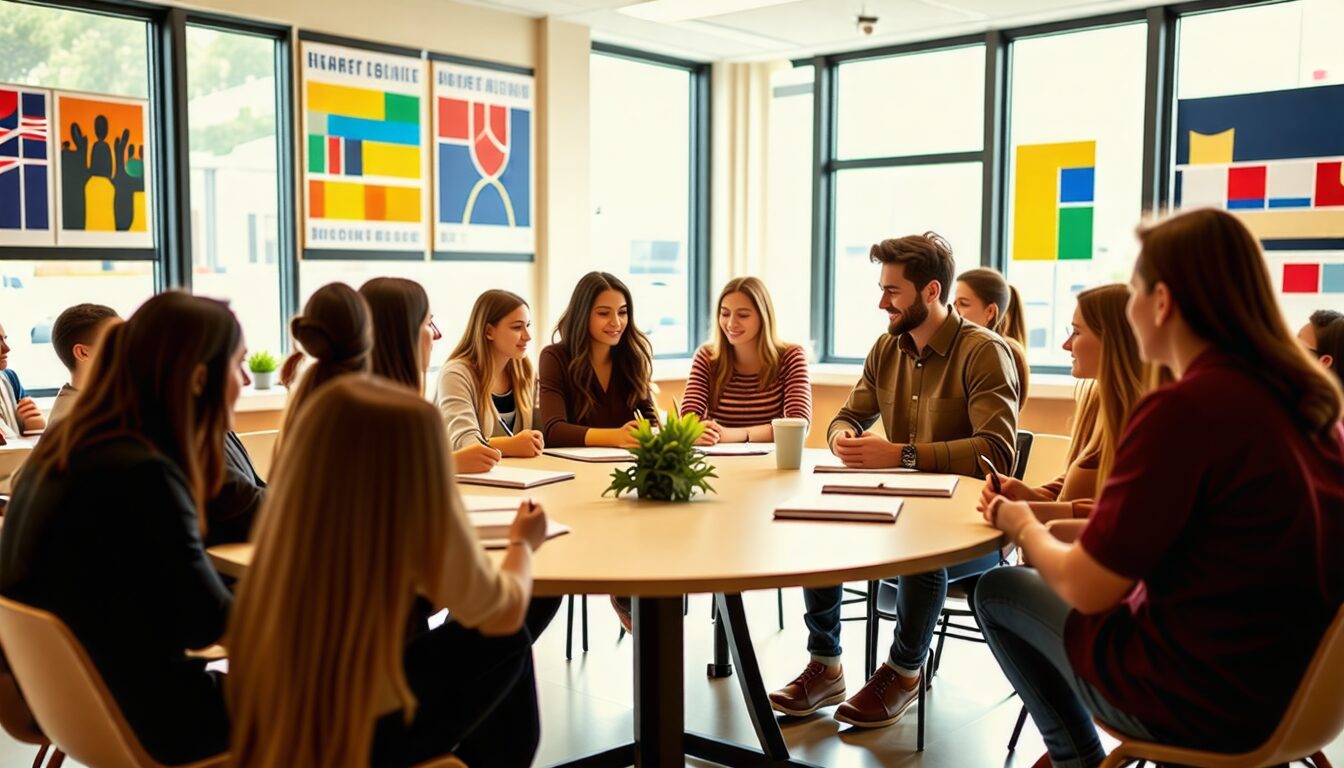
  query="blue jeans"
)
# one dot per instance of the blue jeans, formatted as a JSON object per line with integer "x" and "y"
{"x": 1023, "y": 621}
{"x": 919, "y": 601}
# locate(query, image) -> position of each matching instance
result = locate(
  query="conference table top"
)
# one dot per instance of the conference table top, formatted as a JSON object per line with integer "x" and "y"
{"x": 727, "y": 541}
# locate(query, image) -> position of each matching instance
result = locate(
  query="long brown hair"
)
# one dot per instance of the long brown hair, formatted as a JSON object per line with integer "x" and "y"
{"x": 398, "y": 308}
{"x": 1218, "y": 280}
{"x": 346, "y": 533}
{"x": 141, "y": 385}
{"x": 1122, "y": 378}
{"x": 490, "y": 308}
{"x": 769, "y": 347}
{"x": 988, "y": 285}
{"x": 335, "y": 331}
{"x": 631, "y": 359}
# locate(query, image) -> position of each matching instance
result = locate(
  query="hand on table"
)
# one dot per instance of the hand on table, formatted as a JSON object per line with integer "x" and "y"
{"x": 1013, "y": 490}
{"x": 476, "y": 458}
{"x": 868, "y": 451}
{"x": 522, "y": 445}
{"x": 713, "y": 433}
{"x": 529, "y": 525}
{"x": 31, "y": 415}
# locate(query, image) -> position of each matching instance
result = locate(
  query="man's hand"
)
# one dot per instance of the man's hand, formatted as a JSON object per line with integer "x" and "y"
{"x": 867, "y": 451}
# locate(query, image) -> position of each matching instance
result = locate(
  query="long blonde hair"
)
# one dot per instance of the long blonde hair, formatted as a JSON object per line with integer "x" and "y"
{"x": 1122, "y": 378}
{"x": 769, "y": 348}
{"x": 346, "y": 533}
{"x": 491, "y": 307}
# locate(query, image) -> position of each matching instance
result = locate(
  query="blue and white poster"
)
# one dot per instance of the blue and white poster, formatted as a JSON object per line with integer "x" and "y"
{"x": 26, "y": 188}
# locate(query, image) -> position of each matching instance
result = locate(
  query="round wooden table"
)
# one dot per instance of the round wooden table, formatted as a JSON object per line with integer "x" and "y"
{"x": 723, "y": 543}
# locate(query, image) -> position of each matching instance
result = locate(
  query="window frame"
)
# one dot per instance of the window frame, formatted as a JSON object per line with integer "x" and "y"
{"x": 697, "y": 239}
{"x": 1162, "y": 26}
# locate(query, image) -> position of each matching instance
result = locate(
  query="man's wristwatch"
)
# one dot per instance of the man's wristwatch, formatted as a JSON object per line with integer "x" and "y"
{"x": 909, "y": 456}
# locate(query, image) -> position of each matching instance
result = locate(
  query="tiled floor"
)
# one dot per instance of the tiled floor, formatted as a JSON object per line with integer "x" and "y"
{"x": 586, "y": 703}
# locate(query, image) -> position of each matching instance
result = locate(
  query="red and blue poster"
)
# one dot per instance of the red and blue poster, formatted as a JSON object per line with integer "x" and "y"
{"x": 26, "y": 190}
{"x": 483, "y": 162}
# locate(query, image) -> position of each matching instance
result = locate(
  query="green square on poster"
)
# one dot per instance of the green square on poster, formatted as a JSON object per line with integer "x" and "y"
{"x": 317, "y": 153}
{"x": 1075, "y": 233}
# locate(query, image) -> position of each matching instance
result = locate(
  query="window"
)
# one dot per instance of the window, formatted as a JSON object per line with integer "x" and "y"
{"x": 909, "y": 133}
{"x": 1075, "y": 172}
{"x": 55, "y": 48}
{"x": 644, "y": 179}
{"x": 452, "y": 288}
{"x": 1282, "y": 176}
{"x": 234, "y": 185}
{"x": 788, "y": 255}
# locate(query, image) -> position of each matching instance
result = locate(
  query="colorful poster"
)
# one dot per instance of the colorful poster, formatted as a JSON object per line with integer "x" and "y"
{"x": 26, "y": 188}
{"x": 1053, "y": 201}
{"x": 104, "y": 198}
{"x": 1275, "y": 160}
{"x": 364, "y": 120}
{"x": 483, "y": 161}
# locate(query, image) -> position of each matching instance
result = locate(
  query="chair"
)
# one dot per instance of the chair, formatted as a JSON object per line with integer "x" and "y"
{"x": 444, "y": 761}
{"x": 1315, "y": 716}
{"x": 18, "y": 720}
{"x": 67, "y": 694}
{"x": 261, "y": 449}
{"x": 1049, "y": 457}
{"x": 1025, "y": 440}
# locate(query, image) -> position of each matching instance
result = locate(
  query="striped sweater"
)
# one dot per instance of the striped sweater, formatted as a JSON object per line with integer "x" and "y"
{"x": 743, "y": 402}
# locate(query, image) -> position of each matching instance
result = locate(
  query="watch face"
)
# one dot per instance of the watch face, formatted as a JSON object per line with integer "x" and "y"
{"x": 909, "y": 456}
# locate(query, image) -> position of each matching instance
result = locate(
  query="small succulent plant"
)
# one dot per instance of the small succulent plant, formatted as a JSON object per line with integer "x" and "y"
{"x": 668, "y": 466}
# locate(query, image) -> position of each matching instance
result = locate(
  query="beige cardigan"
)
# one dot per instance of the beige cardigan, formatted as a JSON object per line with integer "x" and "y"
{"x": 458, "y": 397}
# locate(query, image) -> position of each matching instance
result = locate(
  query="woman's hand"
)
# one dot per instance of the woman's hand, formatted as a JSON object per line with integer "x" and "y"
{"x": 713, "y": 433}
{"x": 30, "y": 415}
{"x": 529, "y": 525}
{"x": 523, "y": 445}
{"x": 618, "y": 437}
{"x": 475, "y": 458}
{"x": 1013, "y": 490}
{"x": 1008, "y": 516}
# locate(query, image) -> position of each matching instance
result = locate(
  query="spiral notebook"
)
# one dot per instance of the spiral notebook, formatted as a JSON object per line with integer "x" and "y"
{"x": 515, "y": 477}
{"x": 858, "y": 509}
{"x": 591, "y": 453}
{"x": 912, "y": 484}
{"x": 492, "y": 527}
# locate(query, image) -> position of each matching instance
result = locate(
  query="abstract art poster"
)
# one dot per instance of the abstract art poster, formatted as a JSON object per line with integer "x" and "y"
{"x": 483, "y": 161}
{"x": 27, "y": 190}
{"x": 365, "y": 166}
{"x": 103, "y": 169}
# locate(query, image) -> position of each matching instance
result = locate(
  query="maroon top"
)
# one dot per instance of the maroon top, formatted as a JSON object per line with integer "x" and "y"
{"x": 559, "y": 420}
{"x": 1229, "y": 519}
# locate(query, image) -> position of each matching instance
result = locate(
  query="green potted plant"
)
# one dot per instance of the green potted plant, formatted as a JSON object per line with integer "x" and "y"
{"x": 262, "y": 365}
{"x": 668, "y": 466}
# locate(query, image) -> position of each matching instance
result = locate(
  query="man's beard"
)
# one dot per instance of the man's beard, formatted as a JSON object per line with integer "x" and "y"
{"x": 909, "y": 319}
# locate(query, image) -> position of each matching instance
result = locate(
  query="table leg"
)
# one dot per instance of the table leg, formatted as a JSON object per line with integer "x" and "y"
{"x": 660, "y": 710}
{"x": 721, "y": 666}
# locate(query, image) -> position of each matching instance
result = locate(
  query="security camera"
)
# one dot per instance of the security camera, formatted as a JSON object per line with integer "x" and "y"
{"x": 867, "y": 24}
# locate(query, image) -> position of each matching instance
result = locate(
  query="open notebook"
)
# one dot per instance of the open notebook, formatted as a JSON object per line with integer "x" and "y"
{"x": 737, "y": 449}
{"x": 594, "y": 453}
{"x": 841, "y": 468}
{"x": 515, "y": 477}
{"x": 859, "y": 509}
{"x": 492, "y": 527}
{"x": 911, "y": 484}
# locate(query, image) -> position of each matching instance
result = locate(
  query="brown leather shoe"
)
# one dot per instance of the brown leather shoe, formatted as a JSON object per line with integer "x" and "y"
{"x": 622, "y": 608}
{"x": 818, "y": 686}
{"x": 881, "y": 701}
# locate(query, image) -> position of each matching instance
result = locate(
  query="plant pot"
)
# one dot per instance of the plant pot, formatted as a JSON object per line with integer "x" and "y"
{"x": 263, "y": 380}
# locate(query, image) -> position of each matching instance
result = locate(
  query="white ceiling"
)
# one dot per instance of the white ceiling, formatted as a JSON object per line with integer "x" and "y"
{"x": 807, "y": 27}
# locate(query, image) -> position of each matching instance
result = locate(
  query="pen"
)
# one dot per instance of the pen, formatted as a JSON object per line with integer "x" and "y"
{"x": 993, "y": 474}
{"x": 505, "y": 426}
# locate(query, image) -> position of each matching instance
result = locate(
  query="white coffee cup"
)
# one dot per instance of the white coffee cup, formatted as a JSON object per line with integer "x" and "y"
{"x": 789, "y": 437}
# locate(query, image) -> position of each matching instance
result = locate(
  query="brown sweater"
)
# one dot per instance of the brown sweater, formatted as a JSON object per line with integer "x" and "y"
{"x": 560, "y": 423}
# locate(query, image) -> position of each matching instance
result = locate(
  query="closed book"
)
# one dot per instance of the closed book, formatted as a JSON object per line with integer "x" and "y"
{"x": 591, "y": 453}
{"x": 913, "y": 484}
{"x": 859, "y": 509}
{"x": 492, "y": 527}
{"x": 515, "y": 477}
{"x": 841, "y": 468}
{"x": 737, "y": 449}
{"x": 480, "y": 503}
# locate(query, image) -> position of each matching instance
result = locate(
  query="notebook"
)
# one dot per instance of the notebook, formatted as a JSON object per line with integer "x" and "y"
{"x": 877, "y": 484}
{"x": 859, "y": 509}
{"x": 479, "y": 503}
{"x": 514, "y": 477}
{"x": 492, "y": 527}
{"x": 593, "y": 453}
{"x": 738, "y": 449}
{"x": 824, "y": 468}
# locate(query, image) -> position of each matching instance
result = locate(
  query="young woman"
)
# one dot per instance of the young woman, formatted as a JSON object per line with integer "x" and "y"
{"x": 989, "y": 301}
{"x": 747, "y": 376}
{"x": 104, "y": 528}
{"x": 404, "y": 335}
{"x": 487, "y": 388}
{"x": 1106, "y": 357}
{"x": 1323, "y": 337}
{"x": 336, "y": 332}
{"x": 596, "y": 377}
{"x": 321, "y": 671}
{"x": 1170, "y": 619}
{"x": 18, "y": 412}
